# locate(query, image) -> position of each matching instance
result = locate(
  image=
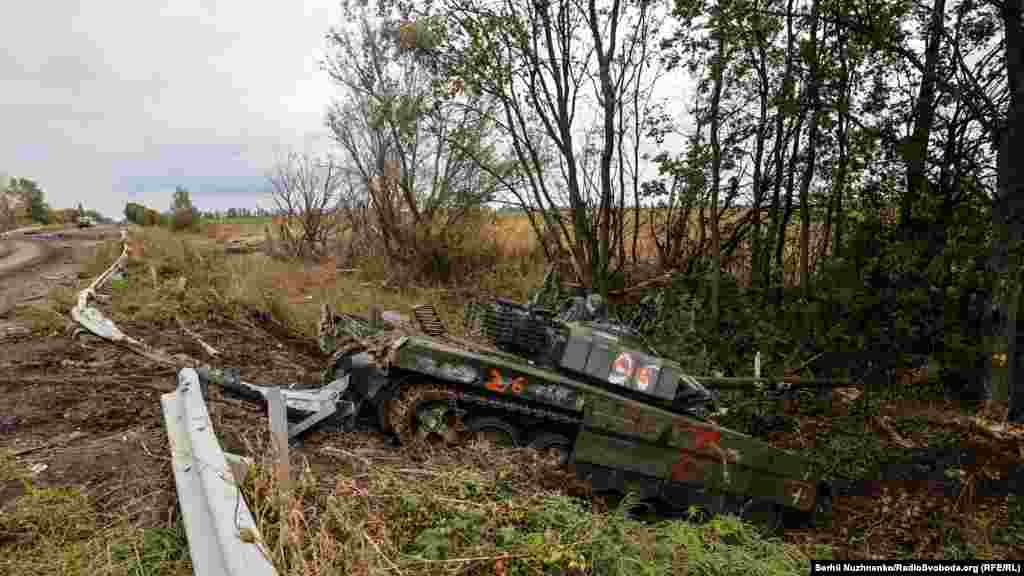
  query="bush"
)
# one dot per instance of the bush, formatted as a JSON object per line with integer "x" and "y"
{"x": 185, "y": 219}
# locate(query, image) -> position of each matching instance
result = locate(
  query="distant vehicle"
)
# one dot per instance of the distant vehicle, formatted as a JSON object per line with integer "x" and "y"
{"x": 86, "y": 222}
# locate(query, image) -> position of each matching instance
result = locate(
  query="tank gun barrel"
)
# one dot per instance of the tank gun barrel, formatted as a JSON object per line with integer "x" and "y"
{"x": 740, "y": 383}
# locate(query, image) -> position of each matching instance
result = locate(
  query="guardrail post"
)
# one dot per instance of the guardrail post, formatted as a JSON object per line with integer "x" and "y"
{"x": 279, "y": 438}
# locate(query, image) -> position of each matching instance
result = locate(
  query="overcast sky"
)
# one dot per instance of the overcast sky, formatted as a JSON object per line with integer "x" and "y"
{"x": 109, "y": 102}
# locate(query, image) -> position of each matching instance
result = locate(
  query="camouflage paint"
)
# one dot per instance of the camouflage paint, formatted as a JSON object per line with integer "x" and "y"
{"x": 622, "y": 433}
{"x": 495, "y": 374}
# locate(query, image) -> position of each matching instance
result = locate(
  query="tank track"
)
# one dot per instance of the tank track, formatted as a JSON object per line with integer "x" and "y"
{"x": 516, "y": 407}
{"x": 397, "y": 407}
{"x": 462, "y": 396}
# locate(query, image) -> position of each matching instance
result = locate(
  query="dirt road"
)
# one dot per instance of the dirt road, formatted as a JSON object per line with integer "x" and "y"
{"x": 33, "y": 264}
{"x": 18, "y": 254}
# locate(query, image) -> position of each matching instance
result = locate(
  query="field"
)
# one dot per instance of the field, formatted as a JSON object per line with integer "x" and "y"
{"x": 512, "y": 239}
{"x": 86, "y": 485}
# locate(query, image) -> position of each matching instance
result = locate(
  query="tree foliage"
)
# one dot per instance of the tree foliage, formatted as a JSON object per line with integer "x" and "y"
{"x": 184, "y": 216}
{"x": 418, "y": 155}
{"x": 849, "y": 162}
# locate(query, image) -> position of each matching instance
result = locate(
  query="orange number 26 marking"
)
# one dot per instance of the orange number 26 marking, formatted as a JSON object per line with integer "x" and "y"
{"x": 498, "y": 384}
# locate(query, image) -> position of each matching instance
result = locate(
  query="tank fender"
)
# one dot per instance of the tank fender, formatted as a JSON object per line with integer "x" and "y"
{"x": 366, "y": 377}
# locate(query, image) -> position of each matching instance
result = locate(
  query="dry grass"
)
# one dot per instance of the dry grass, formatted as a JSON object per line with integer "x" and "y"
{"x": 516, "y": 238}
{"x": 180, "y": 274}
{"x": 60, "y": 530}
{"x": 506, "y": 244}
{"x": 482, "y": 510}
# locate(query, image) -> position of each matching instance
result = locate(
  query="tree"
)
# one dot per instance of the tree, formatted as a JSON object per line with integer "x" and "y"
{"x": 182, "y": 200}
{"x": 572, "y": 81}
{"x": 305, "y": 190}
{"x": 31, "y": 196}
{"x": 1009, "y": 202}
{"x": 414, "y": 148}
{"x": 183, "y": 214}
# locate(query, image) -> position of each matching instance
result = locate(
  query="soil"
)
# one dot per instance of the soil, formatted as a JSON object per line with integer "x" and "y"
{"x": 80, "y": 411}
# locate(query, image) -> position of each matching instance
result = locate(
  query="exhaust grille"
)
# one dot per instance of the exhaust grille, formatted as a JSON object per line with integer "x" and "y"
{"x": 512, "y": 328}
{"x": 428, "y": 319}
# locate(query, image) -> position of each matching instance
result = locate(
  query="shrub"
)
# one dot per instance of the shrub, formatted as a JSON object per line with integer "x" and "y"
{"x": 185, "y": 219}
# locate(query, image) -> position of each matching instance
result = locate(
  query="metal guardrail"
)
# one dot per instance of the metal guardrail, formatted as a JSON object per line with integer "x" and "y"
{"x": 222, "y": 535}
{"x": 214, "y": 511}
{"x": 89, "y": 316}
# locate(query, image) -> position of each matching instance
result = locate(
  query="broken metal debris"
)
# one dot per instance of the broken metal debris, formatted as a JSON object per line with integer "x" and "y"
{"x": 314, "y": 405}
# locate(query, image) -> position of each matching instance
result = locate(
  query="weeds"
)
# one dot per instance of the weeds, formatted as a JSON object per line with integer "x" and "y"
{"x": 171, "y": 275}
{"x": 485, "y": 510}
{"x": 58, "y": 530}
{"x": 1013, "y": 532}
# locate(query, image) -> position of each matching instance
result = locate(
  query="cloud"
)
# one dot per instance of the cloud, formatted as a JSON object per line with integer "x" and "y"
{"x": 104, "y": 102}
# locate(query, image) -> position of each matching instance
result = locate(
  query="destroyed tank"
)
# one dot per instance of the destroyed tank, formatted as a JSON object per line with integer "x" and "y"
{"x": 582, "y": 389}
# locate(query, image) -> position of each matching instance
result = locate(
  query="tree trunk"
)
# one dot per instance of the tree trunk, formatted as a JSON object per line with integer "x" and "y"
{"x": 812, "y": 148}
{"x": 787, "y": 211}
{"x": 716, "y": 170}
{"x": 756, "y": 258}
{"x": 916, "y": 149}
{"x": 778, "y": 220}
{"x": 843, "y": 139}
{"x": 1011, "y": 200}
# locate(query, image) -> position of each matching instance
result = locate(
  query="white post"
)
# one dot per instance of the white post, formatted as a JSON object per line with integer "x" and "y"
{"x": 279, "y": 437}
{"x": 757, "y": 364}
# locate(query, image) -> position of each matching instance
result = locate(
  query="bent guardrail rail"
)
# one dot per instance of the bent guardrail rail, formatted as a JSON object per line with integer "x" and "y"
{"x": 90, "y": 317}
{"x": 213, "y": 509}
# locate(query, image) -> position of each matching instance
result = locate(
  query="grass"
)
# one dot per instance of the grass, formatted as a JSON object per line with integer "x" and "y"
{"x": 510, "y": 241}
{"x": 58, "y": 530}
{"x": 477, "y": 510}
{"x": 485, "y": 510}
{"x": 172, "y": 275}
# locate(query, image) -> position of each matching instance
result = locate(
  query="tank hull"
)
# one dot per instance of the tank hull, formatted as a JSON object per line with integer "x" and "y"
{"x": 652, "y": 446}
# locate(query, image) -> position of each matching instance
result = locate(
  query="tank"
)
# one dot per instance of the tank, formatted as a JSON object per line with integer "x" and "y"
{"x": 585, "y": 391}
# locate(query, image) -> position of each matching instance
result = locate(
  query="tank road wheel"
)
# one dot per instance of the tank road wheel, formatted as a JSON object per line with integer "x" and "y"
{"x": 421, "y": 413}
{"x": 554, "y": 448}
{"x": 495, "y": 430}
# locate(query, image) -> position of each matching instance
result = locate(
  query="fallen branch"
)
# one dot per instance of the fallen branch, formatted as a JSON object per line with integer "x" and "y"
{"x": 206, "y": 347}
{"x": 55, "y": 442}
{"x": 895, "y": 436}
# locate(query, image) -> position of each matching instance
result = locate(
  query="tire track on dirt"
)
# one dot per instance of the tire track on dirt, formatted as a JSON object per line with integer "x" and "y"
{"x": 20, "y": 254}
{"x": 15, "y": 269}
{"x": 37, "y": 262}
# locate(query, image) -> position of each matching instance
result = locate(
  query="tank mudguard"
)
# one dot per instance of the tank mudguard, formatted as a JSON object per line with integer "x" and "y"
{"x": 366, "y": 378}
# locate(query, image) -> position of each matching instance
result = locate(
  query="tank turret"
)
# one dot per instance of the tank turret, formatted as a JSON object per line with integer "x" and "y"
{"x": 581, "y": 340}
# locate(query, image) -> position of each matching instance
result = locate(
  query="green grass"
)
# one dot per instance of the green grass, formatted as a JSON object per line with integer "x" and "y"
{"x": 483, "y": 510}
{"x": 1013, "y": 532}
